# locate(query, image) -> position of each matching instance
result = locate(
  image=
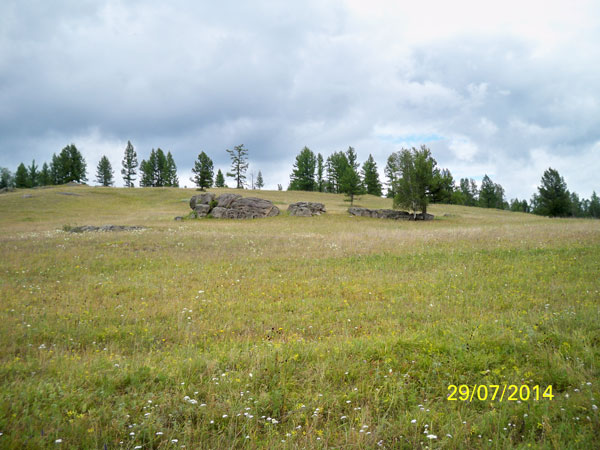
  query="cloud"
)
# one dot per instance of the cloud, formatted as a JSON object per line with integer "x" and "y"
{"x": 485, "y": 86}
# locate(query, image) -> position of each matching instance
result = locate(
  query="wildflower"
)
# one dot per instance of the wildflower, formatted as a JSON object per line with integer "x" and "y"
{"x": 159, "y": 433}
{"x": 224, "y": 416}
{"x": 58, "y": 441}
{"x": 431, "y": 436}
{"x": 137, "y": 446}
{"x": 413, "y": 421}
{"x": 174, "y": 441}
{"x": 342, "y": 418}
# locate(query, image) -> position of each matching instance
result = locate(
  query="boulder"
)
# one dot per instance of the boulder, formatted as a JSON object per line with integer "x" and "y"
{"x": 388, "y": 214}
{"x": 232, "y": 206}
{"x": 87, "y": 228}
{"x": 201, "y": 199}
{"x": 202, "y": 210}
{"x": 306, "y": 209}
{"x": 225, "y": 200}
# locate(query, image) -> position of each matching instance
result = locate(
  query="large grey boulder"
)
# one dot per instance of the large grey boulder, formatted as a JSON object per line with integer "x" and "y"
{"x": 225, "y": 200}
{"x": 306, "y": 209}
{"x": 233, "y": 206}
{"x": 201, "y": 199}
{"x": 387, "y": 214}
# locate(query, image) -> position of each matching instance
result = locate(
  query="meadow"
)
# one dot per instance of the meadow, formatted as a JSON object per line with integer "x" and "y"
{"x": 332, "y": 332}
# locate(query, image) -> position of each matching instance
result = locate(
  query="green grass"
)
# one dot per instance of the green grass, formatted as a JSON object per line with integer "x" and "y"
{"x": 105, "y": 334}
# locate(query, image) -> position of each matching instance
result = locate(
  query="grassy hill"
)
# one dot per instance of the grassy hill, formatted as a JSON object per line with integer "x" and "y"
{"x": 346, "y": 331}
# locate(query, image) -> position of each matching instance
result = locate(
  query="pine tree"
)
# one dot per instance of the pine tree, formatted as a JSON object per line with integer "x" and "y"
{"x": 415, "y": 170}
{"x": 149, "y": 170}
{"x": 442, "y": 187}
{"x": 104, "y": 172}
{"x": 6, "y": 178}
{"x": 594, "y": 207}
{"x": 130, "y": 165}
{"x": 239, "y": 165}
{"x": 203, "y": 170}
{"x": 170, "y": 176}
{"x": 68, "y": 166}
{"x": 21, "y": 177}
{"x": 303, "y": 174}
{"x": 45, "y": 176}
{"x": 220, "y": 179}
{"x": 371, "y": 177}
{"x": 350, "y": 184}
{"x": 336, "y": 166}
{"x": 553, "y": 197}
{"x": 320, "y": 179}
{"x": 260, "y": 183}
{"x": 491, "y": 195}
{"x": 32, "y": 175}
{"x": 391, "y": 172}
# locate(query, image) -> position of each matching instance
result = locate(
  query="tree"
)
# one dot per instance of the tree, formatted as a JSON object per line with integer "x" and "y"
{"x": 149, "y": 170}
{"x": 553, "y": 197}
{"x": 239, "y": 165}
{"x": 469, "y": 191}
{"x": 350, "y": 184}
{"x": 104, "y": 172}
{"x": 594, "y": 207}
{"x": 415, "y": 177}
{"x": 32, "y": 175}
{"x": 260, "y": 183}
{"x": 68, "y": 166}
{"x": 517, "y": 205}
{"x": 371, "y": 177}
{"x": 320, "y": 180}
{"x": 336, "y": 166}
{"x": 576, "y": 206}
{"x": 203, "y": 170}
{"x": 170, "y": 175}
{"x": 45, "y": 178}
{"x": 21, "y": 177}
{"x": 442, "y": 187}
{"x": 303, "y": 174}
{"x": 130, "y": 164}
{"x": 491, "y": 195}
{"x": 6, "y": 178}
{"x": 391, "y": 172}
{"x": 220, "y": 179}
{"x": 159, "y": 170}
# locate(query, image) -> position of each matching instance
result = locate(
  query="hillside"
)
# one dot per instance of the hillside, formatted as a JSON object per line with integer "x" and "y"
{"x": 346, "y": 331}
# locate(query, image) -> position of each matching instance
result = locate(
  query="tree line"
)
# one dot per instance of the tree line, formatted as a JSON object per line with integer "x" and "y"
{"x": 414, "y": 179}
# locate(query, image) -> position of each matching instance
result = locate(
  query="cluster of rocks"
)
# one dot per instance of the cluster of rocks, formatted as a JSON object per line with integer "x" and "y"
{"x": 231, "y": 206}
{"x": 87, "y": 228}
{"x": 388, "y": 214}
{"x": 306, "y": 209}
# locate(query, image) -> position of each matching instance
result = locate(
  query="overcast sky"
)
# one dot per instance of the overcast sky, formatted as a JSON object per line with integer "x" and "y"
{"x": 506, "y": 88}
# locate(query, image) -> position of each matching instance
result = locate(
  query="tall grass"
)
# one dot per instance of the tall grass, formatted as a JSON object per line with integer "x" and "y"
{"x": 325, "y": 332}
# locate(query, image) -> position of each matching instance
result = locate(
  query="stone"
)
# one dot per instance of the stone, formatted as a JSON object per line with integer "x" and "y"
{"x": 202, "y": 210}
{"x": 87, "y": 228}
{"x": 306, "y": 209}
{"x": 387, "y": 214}
{"x": 178, "y": 218}
{"x": 232, "y": 206}
{"x": 225, "y": 200}
{"x": 251, "y": 208}
{"x": 218, "y": 212}
{"x": 201, "y": 199}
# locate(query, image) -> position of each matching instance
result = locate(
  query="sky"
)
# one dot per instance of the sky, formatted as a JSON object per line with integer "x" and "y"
{"x": 504, "y": 88}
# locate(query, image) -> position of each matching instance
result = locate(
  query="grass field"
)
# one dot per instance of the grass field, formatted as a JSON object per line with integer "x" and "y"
{"x": 289, "y": 332}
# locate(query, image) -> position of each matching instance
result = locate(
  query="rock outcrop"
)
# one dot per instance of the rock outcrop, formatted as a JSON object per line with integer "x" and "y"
{"x": 388, "y": 214}
{"x": 87, "y": 228}
{"x": 232, "y": 206}
{"x": 306, "y": 209}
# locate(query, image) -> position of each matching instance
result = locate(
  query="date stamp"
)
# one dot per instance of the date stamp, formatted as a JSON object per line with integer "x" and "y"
{"x": 498, "y": 392}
